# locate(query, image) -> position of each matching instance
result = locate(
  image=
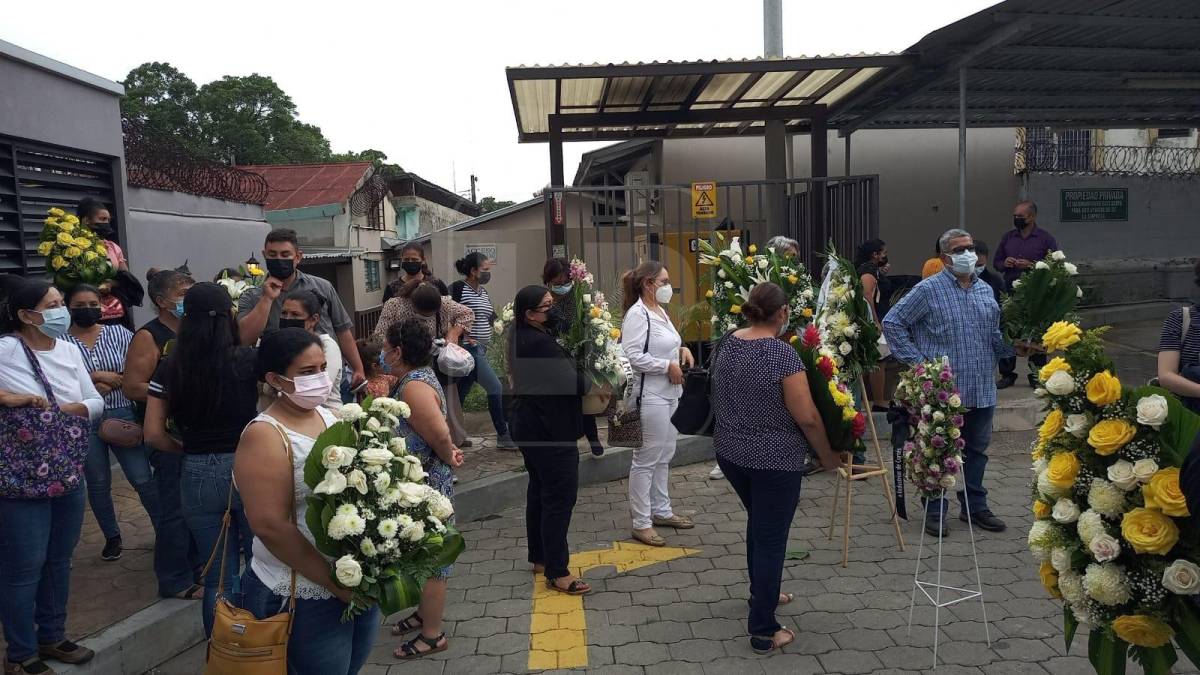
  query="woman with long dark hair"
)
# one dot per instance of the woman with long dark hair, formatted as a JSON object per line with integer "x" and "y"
{"x": 207, "y": 388}
{"x": 412, "y": 268}
{"x": 548, "y": 389}
{"x": 46, "y": 402}
{"x": 556, "y": 275}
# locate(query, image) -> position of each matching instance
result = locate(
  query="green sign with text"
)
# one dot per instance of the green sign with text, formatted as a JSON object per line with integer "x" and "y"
{"x": 1081, "y": 206}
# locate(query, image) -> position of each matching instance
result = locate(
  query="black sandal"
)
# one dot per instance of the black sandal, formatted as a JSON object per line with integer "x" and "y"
{"x": 409, "y": 649}
{"x": 193, "y": 592}
{"x": 407, "y": 626}
{"x": 576, "y": 587}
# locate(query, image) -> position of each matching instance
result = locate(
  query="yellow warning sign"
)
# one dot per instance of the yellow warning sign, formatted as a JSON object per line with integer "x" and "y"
{"x": 704, "y": 200}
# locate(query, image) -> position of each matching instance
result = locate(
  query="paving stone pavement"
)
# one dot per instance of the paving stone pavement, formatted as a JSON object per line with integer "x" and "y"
{"x": 688, "y": 615}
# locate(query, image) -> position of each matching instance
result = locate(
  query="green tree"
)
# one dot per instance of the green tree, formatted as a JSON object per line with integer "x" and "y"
{"x": 162, "y": 99}
{"x": 489, "y": 204}
{"x": 376, "y": 157}
{"x": 250, "y": 120}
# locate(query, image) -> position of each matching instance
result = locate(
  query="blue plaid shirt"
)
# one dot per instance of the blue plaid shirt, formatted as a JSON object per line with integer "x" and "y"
{"x": 937, "y": 318}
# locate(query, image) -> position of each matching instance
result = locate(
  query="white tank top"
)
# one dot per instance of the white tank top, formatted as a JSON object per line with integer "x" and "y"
{"x": 271, "y": 571}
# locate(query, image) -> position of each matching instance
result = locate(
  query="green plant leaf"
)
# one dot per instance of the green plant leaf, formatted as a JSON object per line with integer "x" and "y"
{"x": 317, "y": 524}
{"x": 453, "y": 545}
{"x": 1155, "y": 660}
{"x": 1070, "y": 625}
{"x": 1182, "y": 425}
{"x": 795, "y": 555}
{"x": 341, "y": 433}
{"x": 1107, "y": 653}
{"x": 1187, "y": 629}
{"x": 398, "y": 594}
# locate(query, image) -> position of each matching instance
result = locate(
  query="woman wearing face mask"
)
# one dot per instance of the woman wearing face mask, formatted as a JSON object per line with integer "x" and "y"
{"x": 556, "y": 275}
{"x": 871, "y": 260}
{"x": 271, "y": 485}
{"x": 302, "y": 309}
{"x": 407, "y": 355}
{"x": 207, "y": 388}
{"x": 46, "y": 402}
{"x": 103, "y": 348}
{"x": 123, "y": 292}
{"x": 412, "y": 266}
{"x": 548, "y": 388}
{"x": 477, "y": 272}
{"x": 658, "y": 357}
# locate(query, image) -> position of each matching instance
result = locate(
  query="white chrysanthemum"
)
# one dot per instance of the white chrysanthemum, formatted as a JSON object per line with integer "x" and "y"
{"x": 387, "y": 528}
{"x": 1106, "y": 498}
{"x": 1089, "y": 526}
{"x": 1060, "y": 558}
{"x": 368, "y": 548}
{"x": 351, "y": 412}
{"x": 1070, "y": 584}
{"x": 1106, "y": 584}
{"x": 1040, "y": 536}
{"x": 344, "y": 526}
{"x": 346, "y": 510}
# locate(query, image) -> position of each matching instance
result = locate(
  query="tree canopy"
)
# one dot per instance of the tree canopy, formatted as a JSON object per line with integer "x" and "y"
{"x": 489, "y": 204}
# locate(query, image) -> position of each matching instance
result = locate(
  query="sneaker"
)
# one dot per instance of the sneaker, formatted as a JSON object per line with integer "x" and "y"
{"x": 986, "y": 520}
{"x": 716, "y": 473}
{"x": 505, "y": 442}
{"x": 112, "y": 549}
{"x": 1006, "y": 382}
{"x": 597, "y": 449}
{"x": 935, "y": 529}
{"x": 33, "y": 666}
{"x": 66, "y": 652}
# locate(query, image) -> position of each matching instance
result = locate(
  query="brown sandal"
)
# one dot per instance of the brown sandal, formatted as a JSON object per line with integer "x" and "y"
{"x": 786, "y": 598}
{"x": 776, "y": 644}
{"x": 576, "y": 587}
{"x": 409, "y": 650}
{"x": 407, "y": 626}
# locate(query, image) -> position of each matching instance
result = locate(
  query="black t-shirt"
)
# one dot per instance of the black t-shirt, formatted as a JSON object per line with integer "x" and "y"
{"x": 237, "y": 401}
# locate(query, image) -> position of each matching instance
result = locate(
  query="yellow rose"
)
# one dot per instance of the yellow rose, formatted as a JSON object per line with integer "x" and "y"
{"x": 753, "y": 248}
{"x": 45, "y": 247}
{"x": 1063, "y": 470}
{"x": 794, "y": 339}
{"x": 1142, "y": 630}
{"x": 1052, "y": 425}
{"x": 66, "y": 226}
{"x": 793, "y": 279}
{"x": 1163, "y": 493}
{"x": 595, "y": 312}
{"x": 1061, "y": 335}
{"x": 72, "y": 252}
{"x": 101, "y": 249}
{"x": 65, "y": 239}
{"x": 57, "y": 212}
{"x": 806, "y": 313}
{"x": 1050, "y": 579}
{"x": 1104, "y": 388}
{"x": 1041, "y": 510}
{"x": 255, "y": 270}
{"x": 1056, "y": 364}
{"x": 1149, "y": 531}
{"x": 71, "y": 218}
{"x": 58, "y": 262}
{"x": 736, "y": 309}
{"x": 51, "y": 221}
{"x": 1108, "y": 436}
{"x": 615, "y": 333}
{"x": 89, "y": 255}
{"x": 708, "y": 293}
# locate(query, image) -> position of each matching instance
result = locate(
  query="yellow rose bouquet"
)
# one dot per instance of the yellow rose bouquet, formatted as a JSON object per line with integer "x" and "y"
{"x": 74, "y": 254}
{"x": 1112, "y": 531}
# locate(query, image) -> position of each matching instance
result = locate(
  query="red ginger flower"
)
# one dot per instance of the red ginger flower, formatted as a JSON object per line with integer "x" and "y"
{"x": 812, "y": 337}
{"x": 825, "y": 365}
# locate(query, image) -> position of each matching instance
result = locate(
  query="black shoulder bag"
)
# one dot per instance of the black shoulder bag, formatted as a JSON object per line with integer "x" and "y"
{"x": 695, "y": 415}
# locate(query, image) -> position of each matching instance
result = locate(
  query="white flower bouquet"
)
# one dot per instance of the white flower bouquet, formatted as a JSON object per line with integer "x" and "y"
{"x": 1041, "y": 296}
{"x": 371, "y": 511}
{"x": 933, "y": 453}
{"x": 591, "y": 336}
{"x": 735, "y": 274}
{"x": 847, "y": 325}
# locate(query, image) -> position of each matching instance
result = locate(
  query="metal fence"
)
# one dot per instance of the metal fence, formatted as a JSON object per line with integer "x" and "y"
{"x": 365, "y": 320}
{"x": 1117, "y": 160}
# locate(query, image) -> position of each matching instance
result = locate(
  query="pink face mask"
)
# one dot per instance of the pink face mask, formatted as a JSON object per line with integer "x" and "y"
{"x": 311, "y": 390}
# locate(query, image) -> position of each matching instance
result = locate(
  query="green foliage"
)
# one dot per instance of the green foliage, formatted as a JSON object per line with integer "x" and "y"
{"x": 1040, "y": 297}
{"x": 489, "y": 204}
{"x": 376, "y": 157}
{"x": 1187, "y": 634}
{"x": 1106, "y": 652}
{"x": 1070, "y": 625}
{"x": 1155, "y": 660}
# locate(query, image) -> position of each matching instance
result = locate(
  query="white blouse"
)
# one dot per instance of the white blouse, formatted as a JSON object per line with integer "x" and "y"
{"x": 654, "y": 359}
{"x": 63, "y": 367}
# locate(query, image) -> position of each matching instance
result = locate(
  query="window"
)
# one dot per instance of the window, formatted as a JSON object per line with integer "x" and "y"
{"x": 408, "y": 225}
{"x": 371, "y": 272}
{"x": 1062, "y": 150}
{"x": 1174, "y": 133}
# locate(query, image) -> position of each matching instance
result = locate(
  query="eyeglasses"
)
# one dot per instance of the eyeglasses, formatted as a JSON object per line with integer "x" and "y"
{"x": 544, "y": 308}
{"x": 963, "y": 249}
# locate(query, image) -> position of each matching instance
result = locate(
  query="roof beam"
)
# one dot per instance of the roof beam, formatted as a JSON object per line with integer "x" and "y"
{"x": 651, "y": 117}
{"x": 1063, "y": 97}
{"x": 707, "y": 67}
{"x": 693, "y": 95}
{"x": 1148, "y": 123}
{"x": 744, "y": 87}
{"x": 604, "y": 93}
{"x": 1098, "y": 20}
{"x": 649, "y": 96}
{"x": 1097, "y": 52}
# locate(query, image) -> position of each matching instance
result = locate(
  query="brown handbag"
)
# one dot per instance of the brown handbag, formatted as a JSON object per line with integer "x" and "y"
{"x": 120, "y": 433}
{"x": 625, "y": 426}
{"x": 240, "y": 643}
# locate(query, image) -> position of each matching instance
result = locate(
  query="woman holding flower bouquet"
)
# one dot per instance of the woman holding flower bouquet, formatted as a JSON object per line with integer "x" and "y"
{"x": 274, "y": 494}
{"x": 556, "y": 275}
{"x": 766, "y": 424}
{"x": 658, "y": 357}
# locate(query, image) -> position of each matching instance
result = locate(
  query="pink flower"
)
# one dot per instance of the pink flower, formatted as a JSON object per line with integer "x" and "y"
{"x": 55, "y": 490}
{"x": 927, "y": 385}
{"x": 938, "y": 442}
{"x": 24, "y": 435}
{"x": 958, "y": 421}
{"x": 909, "y": 446}
{"x": 945, "y": 376}
{"x": 951, "y": 464}
{"x": 579, "y": 270}
{"x": 943, "y": 396}
{"x": 960, "y": 443}
{"x": 43, "y": 470}
{"x": 920, "y": 370}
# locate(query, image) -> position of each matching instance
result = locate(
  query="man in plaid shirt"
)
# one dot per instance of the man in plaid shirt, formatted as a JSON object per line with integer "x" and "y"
{"x": 954, "y": 314}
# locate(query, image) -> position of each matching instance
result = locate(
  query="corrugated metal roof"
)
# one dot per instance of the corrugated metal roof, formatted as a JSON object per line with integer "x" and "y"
{"x": 294, "y": 186}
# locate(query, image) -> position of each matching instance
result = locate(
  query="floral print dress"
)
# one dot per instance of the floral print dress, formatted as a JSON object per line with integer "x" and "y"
{"x": 439, "y": 477}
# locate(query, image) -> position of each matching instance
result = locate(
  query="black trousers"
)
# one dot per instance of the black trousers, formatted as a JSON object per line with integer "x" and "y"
{"x": 1008, "y": 367}
{"x": 770, "y": 498}
{"x": 553, "y": 487}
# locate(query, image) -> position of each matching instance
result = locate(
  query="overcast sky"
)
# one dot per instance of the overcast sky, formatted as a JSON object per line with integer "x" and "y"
{"x": 424, "y": 81}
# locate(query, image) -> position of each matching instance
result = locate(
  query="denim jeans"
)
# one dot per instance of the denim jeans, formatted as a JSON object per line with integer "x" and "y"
{"x": 205, "y": 492}
{"x": 770, "y": 498}
{"x": 135, "y": 462}
{"x": 175, "y": 554}
{"x": 977, "y": 432}
{"x": 486, "y": 377}
{"x": 320, "y": 643}
{"x": 37, "y": 539}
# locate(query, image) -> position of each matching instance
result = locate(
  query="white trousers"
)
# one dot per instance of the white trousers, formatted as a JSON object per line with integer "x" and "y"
{"x": 650, "y": 472}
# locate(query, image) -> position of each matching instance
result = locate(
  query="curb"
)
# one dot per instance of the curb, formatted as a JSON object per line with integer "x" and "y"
{"x": 1107, "y": 315}
{"x": 142, "y": 641}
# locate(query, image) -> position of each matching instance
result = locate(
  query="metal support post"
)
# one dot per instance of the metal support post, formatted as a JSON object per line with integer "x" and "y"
{"x": 555, "y": 232}
{"x": 962, "y": 148}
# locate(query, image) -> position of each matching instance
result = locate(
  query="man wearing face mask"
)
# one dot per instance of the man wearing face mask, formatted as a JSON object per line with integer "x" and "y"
{"x": 259, "y": 308}
{"x": 954, "y": 314}
{"x": 1020, "y": 249}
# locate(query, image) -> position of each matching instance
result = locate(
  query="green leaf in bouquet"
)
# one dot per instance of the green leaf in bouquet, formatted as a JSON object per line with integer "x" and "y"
{"x": 398, "y": 593}
{"x": 1182, "y": 425}
{"x": 1187, "y": 628}
{"x": 1155, "y": 660}
{"x": 341, "y": 433}
{"x": 314, "y": 518}
{"x": 453, "y": 545}
{"x": 1107, "y": 652}
{"x": 1070, "y": 625}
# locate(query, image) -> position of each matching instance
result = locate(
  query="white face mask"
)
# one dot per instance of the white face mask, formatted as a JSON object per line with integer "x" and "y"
{"x": 310, "y": 390}
{"x": 963, "y": 263}
{"x": 663, "y": 294}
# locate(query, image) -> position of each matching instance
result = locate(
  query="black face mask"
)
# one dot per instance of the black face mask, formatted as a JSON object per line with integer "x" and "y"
{"x": 1019, "y": 222}
{"x": 411, "y": 267}
{"x": 554, "y": 323}
{"x": 292, "y": 323}
{"x": 883, "y": 261}
{"x": 281, "y": 268}
{"x": 103, "y": 229}
{"x": 484, "y": 277}
{"x": 85, "y": 317}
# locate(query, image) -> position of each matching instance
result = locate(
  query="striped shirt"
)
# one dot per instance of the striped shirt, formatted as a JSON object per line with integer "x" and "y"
{"x": 108, "y": 354}
{"x": 481, "y": 304}
{"x": 937, "y": 318}
{"x": 1172, "y": 331}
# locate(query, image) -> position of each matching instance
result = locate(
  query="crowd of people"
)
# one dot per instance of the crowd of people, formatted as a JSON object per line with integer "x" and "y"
{"x": 211, "y": 410}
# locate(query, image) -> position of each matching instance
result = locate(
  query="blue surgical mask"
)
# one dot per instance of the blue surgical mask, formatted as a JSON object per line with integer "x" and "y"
{"x": 178, "y": 311}
{"x": 383, "y": 364}
{"x": 963, "y": 263}
{"x": 55, "y": 322}
{"x": 562, "y": 289}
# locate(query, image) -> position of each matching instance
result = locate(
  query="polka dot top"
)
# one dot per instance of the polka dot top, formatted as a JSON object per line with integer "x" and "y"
{"x": 754, "y": 428}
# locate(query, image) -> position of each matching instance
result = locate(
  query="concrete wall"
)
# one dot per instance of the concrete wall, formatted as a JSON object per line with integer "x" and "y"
{"x": 167, "y": 228}
{"x": 431, "y": 216}
{"x": 42, "y": 106}
{"x": 520, "y": 240}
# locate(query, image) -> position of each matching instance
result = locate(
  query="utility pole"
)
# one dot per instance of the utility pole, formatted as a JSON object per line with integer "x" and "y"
{"x": 775, "y": 131}
{"x": 474, "y": 180}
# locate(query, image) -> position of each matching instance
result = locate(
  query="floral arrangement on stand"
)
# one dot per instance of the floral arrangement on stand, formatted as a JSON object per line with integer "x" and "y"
{"x": 1041, "y": 296}
{"x": 372, "y": 512}
{"x": 844, "y": 423}
{"x": 845, "y": 320}
{"x": 933, "y": 454}
{"x": 736, "y": 274}
{"x": 252, "y": 275}
{"x": 591, "y": 336}
{"x": 73, "y": 252}
{"x": 1111, "y": 528}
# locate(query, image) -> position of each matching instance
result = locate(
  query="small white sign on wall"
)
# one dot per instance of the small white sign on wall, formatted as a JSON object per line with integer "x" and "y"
{"x": 488, "y": 250}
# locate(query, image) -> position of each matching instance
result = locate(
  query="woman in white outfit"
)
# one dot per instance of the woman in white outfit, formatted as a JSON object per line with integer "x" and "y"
{"x": 658, "y": 357}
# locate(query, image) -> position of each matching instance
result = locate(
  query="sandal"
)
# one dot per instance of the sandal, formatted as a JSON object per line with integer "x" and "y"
{"x": 407, "y": 626}
{"x": 776, "y": 643}
{"x": 539, "y": 568}
{"x": 786, "y": 598}
{"x": 576, "y": 587}
{"x": 649, "y": 537}
{"x": 409, "y": 650}
{"x": 193, "y": 592}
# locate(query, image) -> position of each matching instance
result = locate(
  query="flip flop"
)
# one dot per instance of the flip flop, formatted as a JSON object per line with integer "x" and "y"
{"x": 576, "y": 587}
{"x": 776, "y": 645}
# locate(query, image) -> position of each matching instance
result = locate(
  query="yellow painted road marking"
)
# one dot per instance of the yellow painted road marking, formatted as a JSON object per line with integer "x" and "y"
{"x": 558, "y": 626}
